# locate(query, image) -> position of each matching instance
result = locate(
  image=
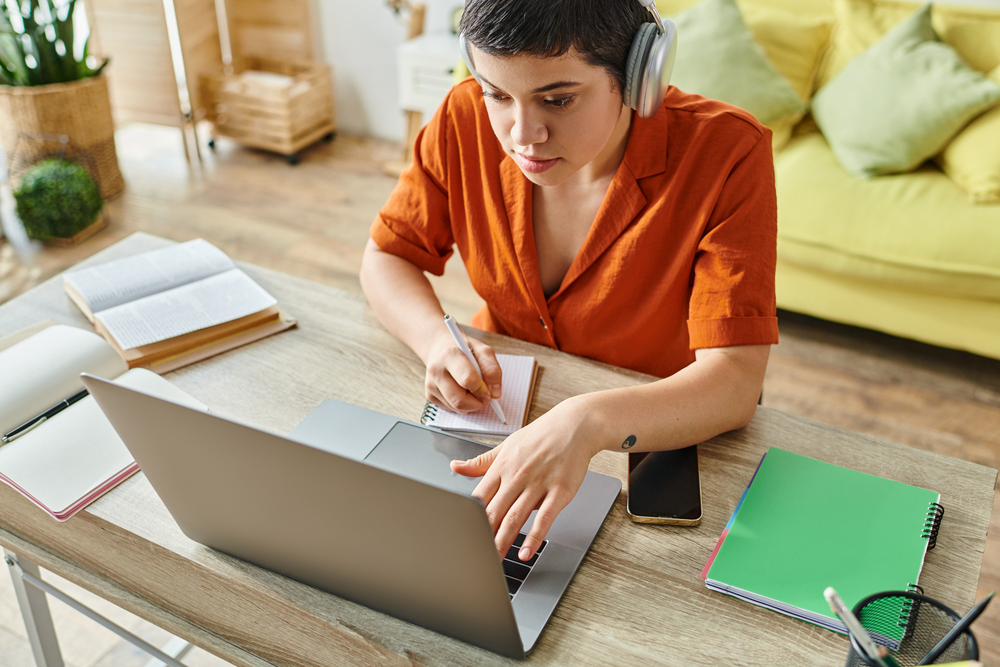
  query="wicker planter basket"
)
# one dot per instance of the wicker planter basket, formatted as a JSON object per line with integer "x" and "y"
{"x": 281, "y": 118}
{"x": 81, "y": 110}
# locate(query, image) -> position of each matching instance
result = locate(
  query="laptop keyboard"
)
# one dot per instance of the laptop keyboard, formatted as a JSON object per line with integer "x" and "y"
{"x": 514, "y": 568}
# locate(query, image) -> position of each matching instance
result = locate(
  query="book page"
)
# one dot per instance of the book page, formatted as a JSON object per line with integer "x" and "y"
{"x": 220, "y": 298}
{"x": 123, "y": 280}
{"x": 77, "y": 451}
{"x": 518, "y": 376}
{"x": 44, "y": 369}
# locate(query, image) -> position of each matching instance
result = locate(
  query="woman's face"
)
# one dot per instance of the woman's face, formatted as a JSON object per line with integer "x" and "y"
{"x": 553, "y": 116}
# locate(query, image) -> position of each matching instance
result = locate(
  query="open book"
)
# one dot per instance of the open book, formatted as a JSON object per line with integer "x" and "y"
{"x": 174, "y": 306}
{"x": 71, "y": 458}
{"x": 518, "y": 387}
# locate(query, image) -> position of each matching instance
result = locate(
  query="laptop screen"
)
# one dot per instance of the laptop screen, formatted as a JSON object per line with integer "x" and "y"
{"x": 424, "y": 455}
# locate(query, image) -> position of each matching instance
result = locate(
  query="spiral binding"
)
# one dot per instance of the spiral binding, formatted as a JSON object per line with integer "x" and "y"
{"x": 932, "y": 523}
{"x": 429, "y": 413}
{"x": 908, "y": 612}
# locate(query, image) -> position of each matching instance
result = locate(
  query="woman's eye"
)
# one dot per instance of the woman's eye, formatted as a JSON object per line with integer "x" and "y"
{"x": 494, "y": 96}
{"x": 560, "y": 102}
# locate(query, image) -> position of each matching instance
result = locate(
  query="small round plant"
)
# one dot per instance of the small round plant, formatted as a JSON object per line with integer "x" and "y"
{"x": 57, "y": 199}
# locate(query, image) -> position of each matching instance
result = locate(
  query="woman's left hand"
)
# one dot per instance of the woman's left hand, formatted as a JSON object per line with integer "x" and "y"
{"x": 540, "y": 466}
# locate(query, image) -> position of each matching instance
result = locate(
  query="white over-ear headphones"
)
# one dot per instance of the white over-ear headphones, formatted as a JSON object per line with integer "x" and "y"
{"x": 647, "y": 69}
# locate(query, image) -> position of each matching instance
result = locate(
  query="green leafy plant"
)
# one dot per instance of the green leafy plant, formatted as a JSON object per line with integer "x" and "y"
{"x": 57, "y": 199}
{"x": 38, "y": 44}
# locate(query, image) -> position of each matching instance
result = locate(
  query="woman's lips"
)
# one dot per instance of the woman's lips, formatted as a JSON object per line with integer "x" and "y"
{"x": 534, "y": 165}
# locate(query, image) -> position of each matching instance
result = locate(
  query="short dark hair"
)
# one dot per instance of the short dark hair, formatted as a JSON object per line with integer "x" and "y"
{"x": 601, "y": 30}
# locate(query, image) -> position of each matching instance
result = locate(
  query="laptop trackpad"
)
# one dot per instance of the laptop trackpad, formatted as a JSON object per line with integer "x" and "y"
{"x": 425, "y": 455}
{"x": 343, "y": 429}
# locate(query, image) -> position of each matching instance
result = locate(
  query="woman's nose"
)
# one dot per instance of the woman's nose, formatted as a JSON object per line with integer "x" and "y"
{"x": 528, "y": 128}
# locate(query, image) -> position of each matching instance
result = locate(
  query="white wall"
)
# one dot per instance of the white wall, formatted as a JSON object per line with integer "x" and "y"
{"x": 359, "y": 39}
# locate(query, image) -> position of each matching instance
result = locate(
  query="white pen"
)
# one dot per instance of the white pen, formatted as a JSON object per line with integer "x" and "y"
{"x": 456, "y": 333}
{"x": 855, "y": 628}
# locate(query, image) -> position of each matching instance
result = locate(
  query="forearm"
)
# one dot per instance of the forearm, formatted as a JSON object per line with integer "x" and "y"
{"x": 715, "y": 394}
{"x": 402, "y": 298}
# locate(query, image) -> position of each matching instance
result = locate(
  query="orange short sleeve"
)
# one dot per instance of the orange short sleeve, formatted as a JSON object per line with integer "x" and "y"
{"x": 732, "y": 298}
{"x": 414, "y": 223}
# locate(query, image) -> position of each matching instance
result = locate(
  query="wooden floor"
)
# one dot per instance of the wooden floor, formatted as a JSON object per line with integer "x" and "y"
{"x": 312, "y": 221}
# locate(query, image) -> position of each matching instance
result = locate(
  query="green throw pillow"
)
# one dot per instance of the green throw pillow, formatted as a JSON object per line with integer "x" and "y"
{"x": 898, "y": 103}
{"x": 717, "y": 57}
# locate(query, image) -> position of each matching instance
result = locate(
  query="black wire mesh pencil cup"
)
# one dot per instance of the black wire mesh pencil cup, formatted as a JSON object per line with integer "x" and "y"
{"x": 917, "y": 622}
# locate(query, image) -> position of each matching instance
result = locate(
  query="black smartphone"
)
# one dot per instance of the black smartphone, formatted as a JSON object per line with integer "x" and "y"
{"x": 665, "y": 487}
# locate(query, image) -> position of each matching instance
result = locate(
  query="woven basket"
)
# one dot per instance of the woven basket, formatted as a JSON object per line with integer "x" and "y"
{"x": 282, "y": 119}
{"x": 81, "y": 110}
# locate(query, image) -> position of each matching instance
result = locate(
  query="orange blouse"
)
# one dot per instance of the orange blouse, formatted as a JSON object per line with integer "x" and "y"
{"x": 681, "y": 254}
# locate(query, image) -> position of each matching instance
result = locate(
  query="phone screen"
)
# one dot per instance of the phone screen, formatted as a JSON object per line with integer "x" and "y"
{"x": 665, "y": 486}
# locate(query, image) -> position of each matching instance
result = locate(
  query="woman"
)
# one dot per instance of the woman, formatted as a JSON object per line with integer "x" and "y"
{"x": 647, "y": 243}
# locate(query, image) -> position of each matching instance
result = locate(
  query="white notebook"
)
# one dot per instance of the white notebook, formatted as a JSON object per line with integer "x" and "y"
{"x": 518, "y": 387}
{"x": 71, "y": 459}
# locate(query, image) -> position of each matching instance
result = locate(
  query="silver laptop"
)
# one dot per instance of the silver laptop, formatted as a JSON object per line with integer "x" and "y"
{"x": 361, "y": 505}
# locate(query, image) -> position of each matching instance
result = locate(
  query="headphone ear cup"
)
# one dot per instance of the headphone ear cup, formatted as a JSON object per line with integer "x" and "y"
{"x": 463, "y": 46}
{"x": 635, "y": 65}
{"x": 657, "y": 71}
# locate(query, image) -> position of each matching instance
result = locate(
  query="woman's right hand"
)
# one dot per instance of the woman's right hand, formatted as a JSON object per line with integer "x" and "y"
{"x": 451, "y": 381}
{"x": 405, "y": 303}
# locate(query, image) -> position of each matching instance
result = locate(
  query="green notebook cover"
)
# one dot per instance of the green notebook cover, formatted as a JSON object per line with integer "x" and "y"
{"x": 803, "y": 525}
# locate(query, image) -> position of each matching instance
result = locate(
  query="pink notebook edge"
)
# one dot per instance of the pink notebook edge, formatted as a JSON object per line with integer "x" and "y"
{"x": 80, "y": 503}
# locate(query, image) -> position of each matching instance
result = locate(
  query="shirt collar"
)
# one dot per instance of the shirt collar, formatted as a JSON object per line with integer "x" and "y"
{"x": 646, "y": 151}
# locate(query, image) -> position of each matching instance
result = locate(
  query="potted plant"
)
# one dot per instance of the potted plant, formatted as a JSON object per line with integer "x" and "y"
{"x": 51, "y": 86}
{"x": 59, "y": 203}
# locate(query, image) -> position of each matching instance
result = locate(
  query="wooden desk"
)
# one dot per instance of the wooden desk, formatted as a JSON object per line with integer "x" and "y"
{"x": 637, "y": 599}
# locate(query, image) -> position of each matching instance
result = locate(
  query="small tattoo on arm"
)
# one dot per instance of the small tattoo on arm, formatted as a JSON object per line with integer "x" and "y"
{"x": 629, "y": 442}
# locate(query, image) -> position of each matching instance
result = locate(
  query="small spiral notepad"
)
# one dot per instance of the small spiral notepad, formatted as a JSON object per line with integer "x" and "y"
{"x": 518, "y": 388}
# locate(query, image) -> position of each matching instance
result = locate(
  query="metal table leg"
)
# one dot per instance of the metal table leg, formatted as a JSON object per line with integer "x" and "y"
{"x": 31, "y": 592}
{"x": 35, "y": 611}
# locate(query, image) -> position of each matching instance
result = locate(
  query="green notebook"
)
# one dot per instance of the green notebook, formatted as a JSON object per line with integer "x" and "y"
{"x": 803, "y": 525}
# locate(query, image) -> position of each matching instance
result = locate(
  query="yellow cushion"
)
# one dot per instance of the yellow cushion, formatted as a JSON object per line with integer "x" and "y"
{"x": 972, "y": 159}
{"x": 928, "y": 237}
{"x": 974, "y": 32}
{"x": 859, "y": 24}
{"x": 793, "y": 43}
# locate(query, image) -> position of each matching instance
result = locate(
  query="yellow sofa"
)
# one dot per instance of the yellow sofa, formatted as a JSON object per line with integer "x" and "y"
{"x": 907, "y": 254}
